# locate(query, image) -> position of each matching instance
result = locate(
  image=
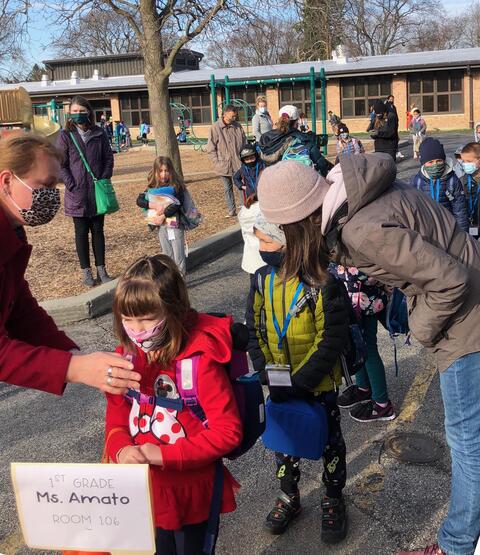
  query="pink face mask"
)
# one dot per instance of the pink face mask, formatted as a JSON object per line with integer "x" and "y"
{"x": 144, "y": 339}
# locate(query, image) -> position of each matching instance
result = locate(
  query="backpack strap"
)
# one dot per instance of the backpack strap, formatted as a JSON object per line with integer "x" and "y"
{"x": 186, "y": 373}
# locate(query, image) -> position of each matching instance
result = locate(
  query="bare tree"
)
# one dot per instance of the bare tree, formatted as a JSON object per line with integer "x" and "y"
{"x": 264, "y": 41}
{"x": 444, "y": 33}
{"x": 13, "y": 27}
{"x": 471, "y": 26}
{"x": 375, "y": 27}
{"x": 321, "y": 28}
{"x": 149, "y": 20}
{"x": 108, "y": 33}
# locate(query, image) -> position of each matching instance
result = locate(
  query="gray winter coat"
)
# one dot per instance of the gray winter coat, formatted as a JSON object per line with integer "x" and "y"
{"x": 79, "y": 187}
{"x": 224, "y": 145}
{"x": 402, "y": 237}
{"x": 261, "y": 123}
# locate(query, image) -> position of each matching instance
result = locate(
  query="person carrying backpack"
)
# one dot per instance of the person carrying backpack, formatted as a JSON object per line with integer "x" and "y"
{"x": 437, "y": 178}
{"x": 158, "y": 330}
{"x": 301, "y": 325}
{"x": 287, "y": 142}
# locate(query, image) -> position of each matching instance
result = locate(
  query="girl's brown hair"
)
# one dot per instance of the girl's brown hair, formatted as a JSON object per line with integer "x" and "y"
{"x": 175, "y": 179}
{"x": 84, "y": 103}
{"x": 18, "y": 153}
{"x": 153, "y": 285}
{"x": 306, "y": 256}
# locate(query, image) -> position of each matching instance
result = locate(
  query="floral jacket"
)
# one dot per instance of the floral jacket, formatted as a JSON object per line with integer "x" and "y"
{"x": 367, "y": 294}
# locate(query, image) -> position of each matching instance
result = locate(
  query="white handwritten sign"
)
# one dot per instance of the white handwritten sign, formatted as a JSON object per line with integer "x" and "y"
{"x": 88, "y": 507}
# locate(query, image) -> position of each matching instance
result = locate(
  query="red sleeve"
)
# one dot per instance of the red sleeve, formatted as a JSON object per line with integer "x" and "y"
{"x": 33, "y": 352}
{"x": 224, "y": 431}
{"x": 117, "y": 434}
{"x": 30, "y": 323}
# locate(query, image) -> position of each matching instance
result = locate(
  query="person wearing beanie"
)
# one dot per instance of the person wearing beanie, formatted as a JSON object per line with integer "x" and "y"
{"x": 288, "y": 142}
{"x": 347, "y": 144}
{"x": 400, "y": 236}
{"x": 437, "y": 179}
{"x": 310, "y": 351}
{"x": 385, "y": 130}
{"x": 417, "y": 128}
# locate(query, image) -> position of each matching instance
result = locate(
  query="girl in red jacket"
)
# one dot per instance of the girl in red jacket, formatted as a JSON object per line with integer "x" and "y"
{"x": 157, "y": 328}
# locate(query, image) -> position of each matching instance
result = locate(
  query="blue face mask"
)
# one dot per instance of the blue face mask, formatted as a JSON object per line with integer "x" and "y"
{"x": 272, "y": 258}
{"x": 469, "y": 167}
{"x": 343, "y": 136}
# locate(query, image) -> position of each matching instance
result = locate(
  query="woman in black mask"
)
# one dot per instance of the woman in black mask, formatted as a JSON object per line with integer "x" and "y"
{"x": 81, "y": 137}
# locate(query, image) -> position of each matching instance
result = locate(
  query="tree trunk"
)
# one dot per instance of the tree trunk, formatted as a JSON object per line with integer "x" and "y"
{"x": 157, "y": 78}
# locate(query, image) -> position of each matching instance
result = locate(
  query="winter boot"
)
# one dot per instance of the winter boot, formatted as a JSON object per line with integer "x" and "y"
{"x": 286, "y": 508}
{"x": 88, "y": 277}
{"x": 102, "y": 275}
{"x": 334, "y": 519}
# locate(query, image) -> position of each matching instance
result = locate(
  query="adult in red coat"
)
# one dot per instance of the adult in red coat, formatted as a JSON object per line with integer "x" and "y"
{"x": 34, "y": 353}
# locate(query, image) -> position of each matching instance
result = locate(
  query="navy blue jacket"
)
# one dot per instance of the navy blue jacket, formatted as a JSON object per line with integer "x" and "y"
{"x": 248, "y": 176}
{"x": 448, "y": 191}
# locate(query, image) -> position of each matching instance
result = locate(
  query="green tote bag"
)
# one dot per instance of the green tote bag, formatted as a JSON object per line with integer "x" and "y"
{"x": 105, "y": 197}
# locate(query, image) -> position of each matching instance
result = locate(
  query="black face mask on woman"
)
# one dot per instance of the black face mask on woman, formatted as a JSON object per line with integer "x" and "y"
{"x": 272, "y": 258}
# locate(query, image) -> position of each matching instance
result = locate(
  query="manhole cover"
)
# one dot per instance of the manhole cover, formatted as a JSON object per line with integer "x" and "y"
{"x": 411, "y": 447}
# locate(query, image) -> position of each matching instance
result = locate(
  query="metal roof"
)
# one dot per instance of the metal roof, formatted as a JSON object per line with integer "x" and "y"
{"x": 392, "y": 63}
{"x": 115, "y": 57}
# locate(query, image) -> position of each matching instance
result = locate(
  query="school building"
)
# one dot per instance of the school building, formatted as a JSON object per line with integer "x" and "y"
{"x": 444, "y": 84}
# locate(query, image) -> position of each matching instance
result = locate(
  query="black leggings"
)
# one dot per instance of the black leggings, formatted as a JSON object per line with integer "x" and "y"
{"x": 82, "y": 228}
{"x": 186, "y": 541}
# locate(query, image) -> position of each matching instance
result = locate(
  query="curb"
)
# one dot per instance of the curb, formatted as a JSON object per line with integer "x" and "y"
{"x": 98, "y": 301}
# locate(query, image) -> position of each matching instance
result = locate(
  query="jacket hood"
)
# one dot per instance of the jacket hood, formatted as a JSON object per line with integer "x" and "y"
{"x": 366, "y": 177}
{"x": 448, "y": 169}
{"x": 210, "y": 335}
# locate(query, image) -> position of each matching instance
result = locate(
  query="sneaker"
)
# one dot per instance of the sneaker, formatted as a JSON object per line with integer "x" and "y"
{"x": 334, "y": 520}
{"x": 353, "y": 396}
{"x": 231, "y": 214}
{"x": 400, "y": 155}
{"x": 287, "y": 507}
{"x": 370, "y": 412}
{"x": 429, "y": 550}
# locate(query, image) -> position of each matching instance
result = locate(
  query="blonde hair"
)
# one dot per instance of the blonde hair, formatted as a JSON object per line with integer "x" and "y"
{"x": 153, "y": 285}
{"x": 152, "y": 181}
{"x": 260, "y": 99}
{"x": 18, "y": 153}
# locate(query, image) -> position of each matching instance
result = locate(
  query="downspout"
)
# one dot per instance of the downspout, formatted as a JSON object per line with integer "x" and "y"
{"x": 470, "y": 90}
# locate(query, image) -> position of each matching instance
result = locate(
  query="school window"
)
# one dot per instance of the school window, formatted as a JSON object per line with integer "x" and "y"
{"x": 436, "y": 93}
{"x": 198, "y": 100}
{"x": 359, "y": 93}
{"x": 248, "y": 95}
{"x": 134, "y": 108}
{"x": 298, "y": 94}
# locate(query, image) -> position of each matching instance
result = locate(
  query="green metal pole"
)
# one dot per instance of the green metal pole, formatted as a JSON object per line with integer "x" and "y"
{"x": 213, "y": 97}
{"x": 323, "y": 82}
{"x": 227, "y": 90}
{"x": 313, "y": 99}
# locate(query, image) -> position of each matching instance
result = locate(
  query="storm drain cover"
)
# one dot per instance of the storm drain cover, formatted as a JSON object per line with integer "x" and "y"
{"x": 410, "y": 447}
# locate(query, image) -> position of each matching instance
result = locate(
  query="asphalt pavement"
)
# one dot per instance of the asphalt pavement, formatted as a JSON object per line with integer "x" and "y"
{"x": 392, "y": 505}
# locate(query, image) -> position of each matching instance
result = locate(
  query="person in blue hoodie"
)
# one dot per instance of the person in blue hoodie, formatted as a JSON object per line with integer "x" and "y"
{"x": 437, "y": 178}
{"x": 246, "y": 178}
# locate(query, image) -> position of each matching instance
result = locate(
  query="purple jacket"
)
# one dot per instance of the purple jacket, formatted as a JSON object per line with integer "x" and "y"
{"x": 79, "y": 187}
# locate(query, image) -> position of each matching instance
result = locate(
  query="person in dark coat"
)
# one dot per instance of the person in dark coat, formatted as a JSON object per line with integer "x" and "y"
{"x": 34, "y": 353}
{"x": 385, "y": 130}
{"x": 390, "y": 104}
{"x": 79, "y": 186}
{"x": 437, "y": 178}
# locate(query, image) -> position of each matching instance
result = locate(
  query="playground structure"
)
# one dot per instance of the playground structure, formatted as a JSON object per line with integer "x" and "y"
{"x": 183, "y": 117}
{"x": 17, "y": 112}
{"x": 312, "y": 78}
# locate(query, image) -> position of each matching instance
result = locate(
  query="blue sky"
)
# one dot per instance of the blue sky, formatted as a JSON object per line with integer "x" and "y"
{"x": 41, "y": 33}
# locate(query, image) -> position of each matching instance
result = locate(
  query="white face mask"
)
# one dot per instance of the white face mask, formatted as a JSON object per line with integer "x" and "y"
{"x": 45, "y": 204}
{"x": 262, "y": 109}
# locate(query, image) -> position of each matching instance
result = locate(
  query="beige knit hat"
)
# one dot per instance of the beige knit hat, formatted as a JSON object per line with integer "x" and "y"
{"x": 290, "y": 191}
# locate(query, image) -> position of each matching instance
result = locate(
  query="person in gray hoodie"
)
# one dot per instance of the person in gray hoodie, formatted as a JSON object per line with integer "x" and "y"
{"x": 395, "y": 233}
{"x": 261, "y": 121}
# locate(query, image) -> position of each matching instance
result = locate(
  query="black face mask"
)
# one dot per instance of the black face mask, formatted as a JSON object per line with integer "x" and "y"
{"x": 251, "y": 164}
{"x": 274, "y": 259}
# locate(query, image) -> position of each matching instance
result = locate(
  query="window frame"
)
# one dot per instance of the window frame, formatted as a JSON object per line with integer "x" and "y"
{"x": 135, "y": 107}
{"x": 435, "y": 93}
{"x": 305, "y": 104}
{"x": 200, "y": 109}
{"x": 366, "y": 81}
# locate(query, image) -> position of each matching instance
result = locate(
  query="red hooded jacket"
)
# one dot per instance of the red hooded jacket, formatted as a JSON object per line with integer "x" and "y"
{"x": 182, "y": 487}
{"x": 33, "y": 351}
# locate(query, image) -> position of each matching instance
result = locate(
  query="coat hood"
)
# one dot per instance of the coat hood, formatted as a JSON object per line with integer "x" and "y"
{"x": 366, "y": 177}
{"x": 447, "y": 171}
{"x": 210, "y": 335}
